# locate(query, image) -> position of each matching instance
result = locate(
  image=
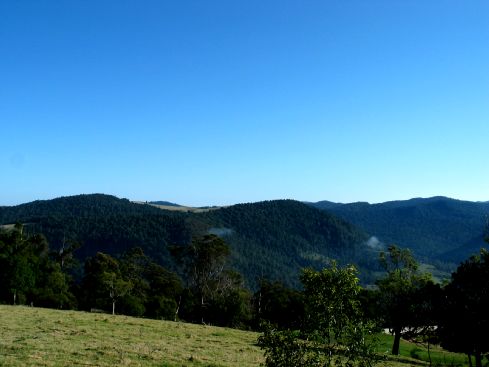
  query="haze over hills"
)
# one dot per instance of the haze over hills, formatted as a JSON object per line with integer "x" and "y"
{"x": 436, "y": 228}
{"x": 272, "y": 239}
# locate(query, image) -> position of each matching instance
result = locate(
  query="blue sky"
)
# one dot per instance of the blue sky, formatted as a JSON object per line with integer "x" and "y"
{"x": 220, "y": 102}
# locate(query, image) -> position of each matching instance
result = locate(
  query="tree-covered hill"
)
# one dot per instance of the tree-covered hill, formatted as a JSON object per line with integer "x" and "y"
{"x": 273, "y": 239}
{"x": 436, "y": 228}
{"x": 102, "y": 223}
{"x": 276, "y": 238}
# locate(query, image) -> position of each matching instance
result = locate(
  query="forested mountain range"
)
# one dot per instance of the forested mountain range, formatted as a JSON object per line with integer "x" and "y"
{"x": 435, "y": 229}
{"x": 272, "y": 239}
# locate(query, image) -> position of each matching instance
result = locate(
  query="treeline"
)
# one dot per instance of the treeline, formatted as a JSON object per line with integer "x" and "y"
{"x": 271, "y": 239}
{"x": 207, "y": 289}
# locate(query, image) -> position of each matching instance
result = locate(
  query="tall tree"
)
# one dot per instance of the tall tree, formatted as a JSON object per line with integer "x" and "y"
{"x": 203, "y": 263}
{"x": 103, "y": 283}
{"x": 465, "y": 322}
{"x": 279, "y": 305}
{"x": 397, "y": 292}
{"x": 21, "y": 260}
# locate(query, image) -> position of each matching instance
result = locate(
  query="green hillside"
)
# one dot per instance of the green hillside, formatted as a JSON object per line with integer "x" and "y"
{"x": 272, "y": 239}
{"x": 275, "y": 239}
{"x": 102, "y": 223}
{"x": 436, "y": 228}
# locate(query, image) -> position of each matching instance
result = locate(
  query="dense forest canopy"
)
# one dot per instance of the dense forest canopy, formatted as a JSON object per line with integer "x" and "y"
{"x": 271, "y": 239}
{"x": 435, "y": 229}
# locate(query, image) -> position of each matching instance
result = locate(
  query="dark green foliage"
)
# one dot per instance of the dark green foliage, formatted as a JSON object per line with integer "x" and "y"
{"x": 437, "y": 228}
{"x": 465, "y": 321}
{"x": 98, "y": 269}
{"x": 102, "y": 223}
{"x": 136, "y": 284}
{"x": 334, "y": 332}
{"x": 216, "y": 288}
{"x": 28, "y": 274}
{"x": 397, "y": 293}
{"x": 286, "y": 348}
{"x": 279, "y": 305}
{"x": 166, "y": 292}
{"x": 275, "y": 239}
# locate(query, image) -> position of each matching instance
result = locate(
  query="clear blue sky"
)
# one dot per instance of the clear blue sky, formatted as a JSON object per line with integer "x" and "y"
{"x": 220, "y": 102}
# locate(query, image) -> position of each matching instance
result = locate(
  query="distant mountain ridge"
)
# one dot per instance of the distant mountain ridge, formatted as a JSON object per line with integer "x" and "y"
{"x": 436, "y": 228}
{"x": 272, "y": 239}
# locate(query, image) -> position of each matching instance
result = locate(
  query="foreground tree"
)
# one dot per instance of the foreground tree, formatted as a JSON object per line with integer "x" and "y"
{"x": 465, "y": 320}
{"x": 28, "y": 274}
{"x": 334, "y": 331}
{"x": 397, "y": 293}
{"x": 103, "y": 283}
{"x": 204, "y": 264}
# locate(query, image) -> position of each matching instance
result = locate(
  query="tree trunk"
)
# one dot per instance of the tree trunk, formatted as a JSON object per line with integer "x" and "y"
{"x": 478, "y": 359}
{"x": 15, "y": 297}
{"x": 202, "y": 308}
{"x": 397, "y": 340}
{"x": 113, "y": 307}
{"x": 178, "y": 308}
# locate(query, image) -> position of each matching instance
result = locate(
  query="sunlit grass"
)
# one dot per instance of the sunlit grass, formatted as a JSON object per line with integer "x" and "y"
{"x": 43, "y": 337}
{"x": 411, "y": 354}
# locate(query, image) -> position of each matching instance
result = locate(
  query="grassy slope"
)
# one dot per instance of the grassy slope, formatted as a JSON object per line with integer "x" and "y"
{"x": 43, "y": 337}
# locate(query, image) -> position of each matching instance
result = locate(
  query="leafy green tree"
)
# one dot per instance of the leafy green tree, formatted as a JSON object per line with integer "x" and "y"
{"x": 334, "y": 331}
{"x": 230, "y": 304}
{"x": 465, "y": 320}
{"x": 115, "y": 286}
{"x": 103, "y": 284}
{"x": 133, "y": 264}
{"x": 21, "y": 260}
{"x": 155, "y": 290}
{"x": 165, "y": 293}
{"x": 53, "y": 289}
{"x": 397, "y": 301}
{"x": 216, "y": 293}
{"x": 278, "y": 305}
{"x": 204, "y": 263}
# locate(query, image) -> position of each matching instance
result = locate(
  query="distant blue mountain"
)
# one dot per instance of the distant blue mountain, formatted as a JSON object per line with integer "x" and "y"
{"x": 436, "y": 228}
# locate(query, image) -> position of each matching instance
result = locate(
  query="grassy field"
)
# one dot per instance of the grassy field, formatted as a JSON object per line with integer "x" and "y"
{"x": 42, "y": 337}
{"x": 7, "y": 227}
{"x": 180, "y": 208}
{"x": 412, "y": 354}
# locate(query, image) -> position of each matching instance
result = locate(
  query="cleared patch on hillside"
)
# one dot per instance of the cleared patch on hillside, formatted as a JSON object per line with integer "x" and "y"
{"x": 180, "y": 208}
